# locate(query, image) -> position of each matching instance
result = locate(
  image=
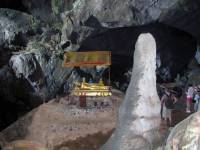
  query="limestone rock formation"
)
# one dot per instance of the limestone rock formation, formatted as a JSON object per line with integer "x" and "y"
{"x": 44, "y": 73}
{"x": 40, "y": 9}
{"x": 15, "y": 27}
{"x": 139, "y": 120}
{"x": 84, "y": 17}
{"x": 20, "y": 67}
{"x": 185, "y": 135}
{"x": 119, "y": 13}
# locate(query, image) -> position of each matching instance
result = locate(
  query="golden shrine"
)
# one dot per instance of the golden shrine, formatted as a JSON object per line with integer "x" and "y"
{"x": 91, "y": 89}
{"x": 89, "y": 59}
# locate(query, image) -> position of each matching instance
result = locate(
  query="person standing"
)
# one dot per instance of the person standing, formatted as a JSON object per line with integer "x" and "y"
{"x": 197, "y": 100}
{"x": 168, "y": 100}
{"x": 190, "y": 95}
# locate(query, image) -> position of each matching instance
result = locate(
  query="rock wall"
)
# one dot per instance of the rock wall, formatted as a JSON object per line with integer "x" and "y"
{"x": 14, "y": 95}
{"x": 15, "y": 28}
{"x": 139, "y": 119}
{"x": 84, "y": 18}
{"x": 44, "y": 73}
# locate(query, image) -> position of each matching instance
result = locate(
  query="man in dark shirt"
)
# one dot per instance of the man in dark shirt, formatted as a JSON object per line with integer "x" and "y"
{"x": 168, "y": 100}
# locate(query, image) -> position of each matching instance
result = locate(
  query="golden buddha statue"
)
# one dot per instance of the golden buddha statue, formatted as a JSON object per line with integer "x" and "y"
{"x": 91, "y": 89}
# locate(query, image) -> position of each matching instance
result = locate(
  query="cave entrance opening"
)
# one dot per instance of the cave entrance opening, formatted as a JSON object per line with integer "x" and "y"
{"x": 175, "y": 49}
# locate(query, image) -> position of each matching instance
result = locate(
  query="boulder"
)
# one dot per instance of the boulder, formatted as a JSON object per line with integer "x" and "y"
{"x": 24, "y": 64}
{"x": 185, "y": 135}
{"x": 139, "y": 119}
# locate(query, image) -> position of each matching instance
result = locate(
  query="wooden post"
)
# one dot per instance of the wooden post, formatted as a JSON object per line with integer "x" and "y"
{"x": 82, "y": 101}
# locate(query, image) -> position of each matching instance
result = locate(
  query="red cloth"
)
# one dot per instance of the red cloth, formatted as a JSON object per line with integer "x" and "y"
{"x": 189, "y": 99}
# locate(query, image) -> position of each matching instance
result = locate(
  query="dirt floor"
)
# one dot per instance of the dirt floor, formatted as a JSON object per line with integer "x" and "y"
{"x": 59, "y": 125}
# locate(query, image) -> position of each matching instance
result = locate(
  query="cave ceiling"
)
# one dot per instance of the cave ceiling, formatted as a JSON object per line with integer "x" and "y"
{"x": 182, "y": 14}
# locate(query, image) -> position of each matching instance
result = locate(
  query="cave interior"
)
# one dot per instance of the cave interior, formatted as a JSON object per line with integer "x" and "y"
{"x": 177, "y": 45}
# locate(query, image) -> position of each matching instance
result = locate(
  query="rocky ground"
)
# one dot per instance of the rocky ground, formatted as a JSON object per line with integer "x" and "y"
{"x": 58, "y": 125}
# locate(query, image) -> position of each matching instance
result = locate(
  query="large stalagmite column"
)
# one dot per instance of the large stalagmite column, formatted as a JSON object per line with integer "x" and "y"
{"x": 139, "y": 114}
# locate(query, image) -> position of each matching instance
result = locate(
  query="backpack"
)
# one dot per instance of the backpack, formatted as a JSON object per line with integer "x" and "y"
{"x": 169, "y": 103}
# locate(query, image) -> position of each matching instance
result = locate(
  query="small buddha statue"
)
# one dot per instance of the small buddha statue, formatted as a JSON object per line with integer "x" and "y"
{"x": 101, "y": 82}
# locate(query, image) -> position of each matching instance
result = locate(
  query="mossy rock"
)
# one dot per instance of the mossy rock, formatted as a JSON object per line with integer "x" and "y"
{"x": 34, "y": 23}
{"x": 57, "y": 6}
